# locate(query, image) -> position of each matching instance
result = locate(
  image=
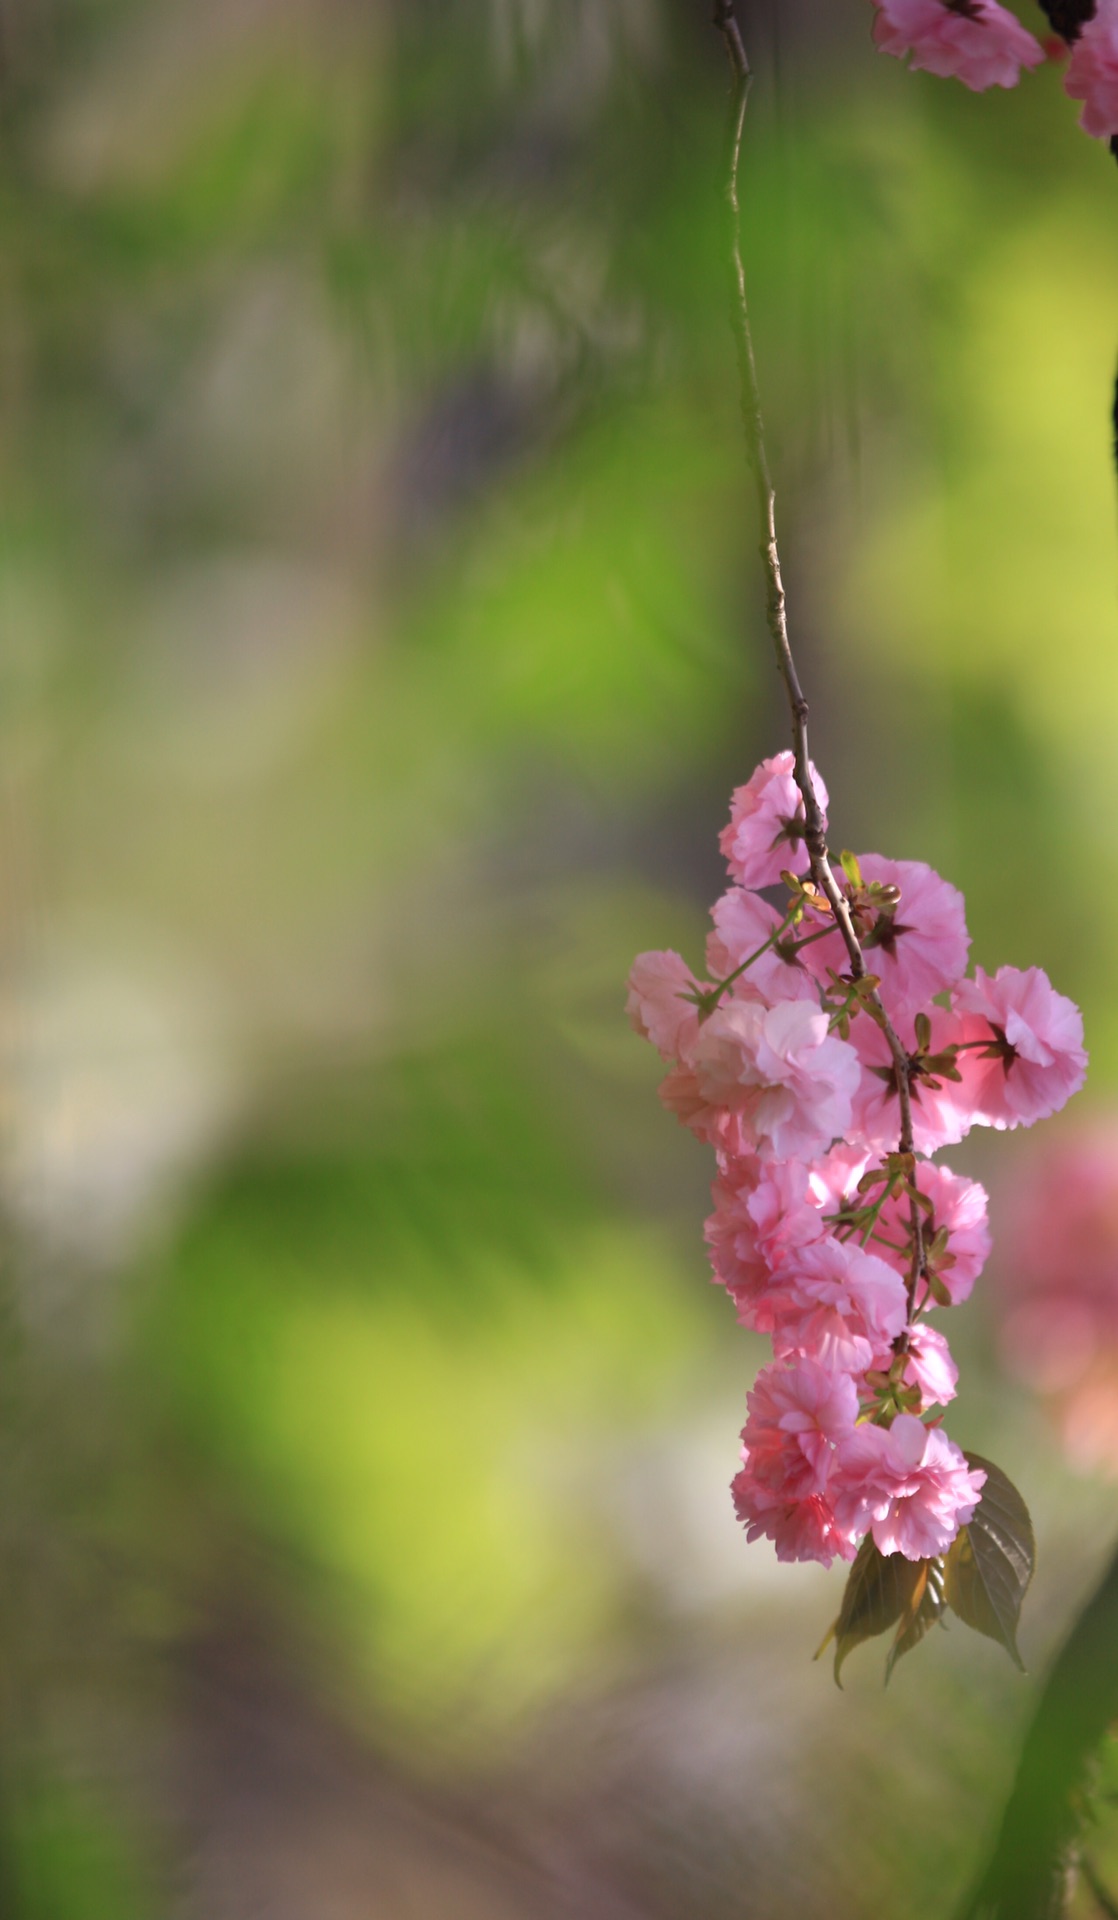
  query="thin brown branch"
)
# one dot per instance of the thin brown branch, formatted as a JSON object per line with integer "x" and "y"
{"x": 815, "y": 839}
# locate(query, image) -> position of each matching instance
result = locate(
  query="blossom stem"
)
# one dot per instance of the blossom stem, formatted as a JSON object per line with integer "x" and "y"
{"x": 815, "y": 839}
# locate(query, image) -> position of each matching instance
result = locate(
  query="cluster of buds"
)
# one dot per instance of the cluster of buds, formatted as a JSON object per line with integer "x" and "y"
{"x": 984, "y": 45}
{"x": 833, "y": 1232}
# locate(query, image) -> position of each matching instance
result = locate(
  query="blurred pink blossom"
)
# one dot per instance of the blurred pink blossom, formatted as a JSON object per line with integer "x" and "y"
{"x": 975, "y": 41}
{"x": 1092, "y": 74}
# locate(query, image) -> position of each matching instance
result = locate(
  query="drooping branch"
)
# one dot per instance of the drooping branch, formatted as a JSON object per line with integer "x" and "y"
{"x": 815, "y": 839}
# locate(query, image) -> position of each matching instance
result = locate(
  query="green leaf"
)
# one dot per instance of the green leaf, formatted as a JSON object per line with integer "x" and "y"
{"x": 925, "y": 1608}
{"x": 878, "y": 1592}
{"x": 991, "y": 1561}
{"x": 923, "y": 1032}
{"x": 850, "y": 867}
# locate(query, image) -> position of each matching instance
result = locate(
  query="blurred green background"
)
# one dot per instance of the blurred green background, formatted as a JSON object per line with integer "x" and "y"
{"x": 381, "y": 642}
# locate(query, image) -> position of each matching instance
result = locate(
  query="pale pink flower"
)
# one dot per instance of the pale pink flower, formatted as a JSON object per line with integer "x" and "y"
{"x": 789, "y": 1080}
{"x": 941, "y": 1112}
{"x": 918, "y": 950}
{"x": 959, "y": 1205}
{"x": 797, "y": 1415}
{"x": 975, "y": 41}
{"x": 1092, "y": 74}
{"x": 799, "y": 1529}
{"x": 1036, "y": 1038}
{"x": 907, "y": 1484}
{"x": 657, "y": 1006}
{"x": 742, "y": 923}
{"x": 841, "y": 1306}
{"x": 765, "y": 833}
{"x": 930, "y": 1366}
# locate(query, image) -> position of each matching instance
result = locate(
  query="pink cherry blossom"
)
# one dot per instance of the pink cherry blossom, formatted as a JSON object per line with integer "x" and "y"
{"x": 799, "y": 1529}
{"x": 1092, "y": 74}
{"x": 917, "y": 951}
{"x": 907, "y": 1484}
{"x": 788, "y": 1079}
{"x": 959, "y": 1205}
{"x": 1035, "y": 1036}
{"x": 797, "y": 1415}
{"x": 930, "y": 1366}
{"x": 742, "y": 923}
{"x": 975, "y": 41}
{"x": 657, "y": 1005}
{"x": 765, "y": 833}
{"x": 841, "y": 1306}
{"x": 942, "y": 1114}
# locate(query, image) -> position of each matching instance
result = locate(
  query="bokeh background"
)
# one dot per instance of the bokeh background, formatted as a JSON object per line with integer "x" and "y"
{"x": 381, "y": 642}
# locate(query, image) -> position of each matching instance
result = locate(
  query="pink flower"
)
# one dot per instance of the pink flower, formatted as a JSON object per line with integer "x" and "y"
{"x": 1034, "y": 1061}
{"x": 930, "y": 1366}
{"x": 1092, "y": 74}
{"x": 975, "y": 41}
{"x": 788, "y": 1080}
{"x": 942, "y": 1114}
{"x": 799, "y": 1529}
{"x": 908, "y": 1484}
{"x": 763, "y": 1214}
{"x": 657, "y": 1007}
{"x": 765, "y": 834}
{"x": 919, "y": 949}
{"x": 959, "y": 1206}
{"x": 742, "y": 923}
{"x": 840, "y": 1306}
{"x": 797, "y": 1415}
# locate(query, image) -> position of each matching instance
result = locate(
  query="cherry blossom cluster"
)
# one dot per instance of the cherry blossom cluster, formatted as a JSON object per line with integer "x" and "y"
{"x": 833, "y": 1233}
{"x": 984, "y": 45}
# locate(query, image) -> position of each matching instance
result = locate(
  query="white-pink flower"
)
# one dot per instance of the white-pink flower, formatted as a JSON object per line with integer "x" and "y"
{"x": 930, "y": 1366}
{"x": 907, "y": 1484}
{"x": 918, "y": 950}
{"x": 1092, "y": 74}
{"x": 742, "y": 924}
{"x": 841, "y": 1306}
{"x": 765, "y": 833}
{"x": 658, "y": 1007}
{"x": 780, "y": 1070}
{"x": 1033, "y": 1058}
{"x": 797, "y": 1416}
{"x": 975, "y": 41}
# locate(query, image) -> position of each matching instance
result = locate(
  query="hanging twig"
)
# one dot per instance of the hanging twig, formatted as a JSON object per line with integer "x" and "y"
{"x": 815, "y": 838}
